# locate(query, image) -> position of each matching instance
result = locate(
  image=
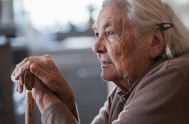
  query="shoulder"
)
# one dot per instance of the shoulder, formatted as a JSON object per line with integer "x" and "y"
{"x": 166, "y": 79}
{"x": 167, "y": 74}
{"x": 180, "y": 64}
{"x": 161, "y": 96}
{"x": 170, "y": 68}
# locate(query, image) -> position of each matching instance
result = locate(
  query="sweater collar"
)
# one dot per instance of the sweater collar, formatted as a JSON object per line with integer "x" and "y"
{"x": 123, "y": 95}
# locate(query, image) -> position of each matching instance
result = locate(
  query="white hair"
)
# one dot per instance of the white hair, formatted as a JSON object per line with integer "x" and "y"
{"x": 146, "y": 14}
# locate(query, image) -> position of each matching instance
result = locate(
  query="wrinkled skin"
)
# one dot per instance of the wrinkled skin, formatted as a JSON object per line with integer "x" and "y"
{"x": 123, "y": 57}
{"x": 44, "y": 68}
{"x": 42, "y": 95}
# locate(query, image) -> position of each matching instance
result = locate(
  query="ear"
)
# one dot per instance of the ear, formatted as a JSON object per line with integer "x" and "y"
{"x": 157, "y": 42}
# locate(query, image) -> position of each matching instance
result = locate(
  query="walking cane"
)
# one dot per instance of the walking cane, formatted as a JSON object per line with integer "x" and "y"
{"x": 29, "y": 102}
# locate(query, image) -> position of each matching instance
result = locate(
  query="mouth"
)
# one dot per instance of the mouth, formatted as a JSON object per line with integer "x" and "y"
{"x": 106, "y": 64}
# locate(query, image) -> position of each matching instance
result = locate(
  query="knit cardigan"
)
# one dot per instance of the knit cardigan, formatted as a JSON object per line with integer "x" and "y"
{"x": 161, "y": 96}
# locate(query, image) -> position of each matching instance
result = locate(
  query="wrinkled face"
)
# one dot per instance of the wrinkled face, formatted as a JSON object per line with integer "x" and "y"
{"x": 120, "y": 54}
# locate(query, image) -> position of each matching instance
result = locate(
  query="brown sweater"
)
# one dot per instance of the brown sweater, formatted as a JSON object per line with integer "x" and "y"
{"x": 161, "y": 96}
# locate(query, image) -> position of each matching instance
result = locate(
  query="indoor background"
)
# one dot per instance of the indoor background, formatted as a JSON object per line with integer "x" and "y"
{"x": 62, "y": 29}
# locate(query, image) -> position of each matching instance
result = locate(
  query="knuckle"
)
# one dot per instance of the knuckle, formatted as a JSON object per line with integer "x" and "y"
{"x": 48, "y": 61}
{"x": 21, "y": 70}
{"x": 48, "y": 56}
{"x": 26, "y": 59}
{"x": 17, "y": 64}
{"x": 29, "y": 62}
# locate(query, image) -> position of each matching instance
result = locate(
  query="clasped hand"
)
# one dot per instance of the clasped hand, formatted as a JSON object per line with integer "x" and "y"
{"x": 50, "y": 79}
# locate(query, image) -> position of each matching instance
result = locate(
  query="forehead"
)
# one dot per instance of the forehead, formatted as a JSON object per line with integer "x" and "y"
{"x": 109, "y": 16}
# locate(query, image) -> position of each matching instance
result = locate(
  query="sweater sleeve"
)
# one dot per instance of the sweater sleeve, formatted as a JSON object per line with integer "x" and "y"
{"x": 58, "y": 113}
{"x": 103, "y": 116}
{"x": 159, "y": 99}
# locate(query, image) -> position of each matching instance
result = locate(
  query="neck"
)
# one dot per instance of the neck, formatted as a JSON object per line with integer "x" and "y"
{"x": 126, "y": 84}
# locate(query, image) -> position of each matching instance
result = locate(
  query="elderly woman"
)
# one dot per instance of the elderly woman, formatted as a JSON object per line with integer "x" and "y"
{"x": 142, "y": 46}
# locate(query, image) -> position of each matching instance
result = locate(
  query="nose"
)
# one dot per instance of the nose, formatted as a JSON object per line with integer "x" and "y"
{"x": 99, "y": 46}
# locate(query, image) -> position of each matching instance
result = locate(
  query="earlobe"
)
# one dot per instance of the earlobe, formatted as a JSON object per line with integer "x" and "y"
{"x": 157, "y": 42}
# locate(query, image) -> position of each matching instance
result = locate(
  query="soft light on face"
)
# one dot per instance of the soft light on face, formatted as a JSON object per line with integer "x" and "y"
{"x": 116, "y": 46}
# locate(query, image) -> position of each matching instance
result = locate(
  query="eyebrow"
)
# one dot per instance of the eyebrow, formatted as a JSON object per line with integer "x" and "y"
{"x": 106, "y": 25}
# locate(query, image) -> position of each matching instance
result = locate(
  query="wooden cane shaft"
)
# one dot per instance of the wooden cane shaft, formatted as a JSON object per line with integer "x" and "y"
{"x": 29, "y": 106}
{"x": 29, "y": 102}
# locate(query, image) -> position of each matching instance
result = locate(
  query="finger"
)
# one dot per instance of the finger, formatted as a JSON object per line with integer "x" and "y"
{"x": 47, "y": 56}
{"x": 20, "y": 72}
{"x": 21, "y": 79}
{"x": 13, "y": 73}
{"x": 16, "y": 86}
{"x": 20, "y": 87}
{"x": 32, "y": 58}
{"x": 19, "y": 65}
{"x": 40, "y": 73}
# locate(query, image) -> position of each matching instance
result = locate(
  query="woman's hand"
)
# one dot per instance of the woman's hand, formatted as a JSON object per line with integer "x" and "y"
{"x": 44, "y": 68}
{"x": 42, "y": 95}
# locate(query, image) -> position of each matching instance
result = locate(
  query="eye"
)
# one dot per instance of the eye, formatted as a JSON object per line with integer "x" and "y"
{"x": 110, "y": 33}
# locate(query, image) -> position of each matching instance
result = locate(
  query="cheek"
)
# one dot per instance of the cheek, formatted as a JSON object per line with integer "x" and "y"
{"x": 115, "y": 54}
{"x": 114, "y": 46}
{"x": 123, "y": 55}
{"x": 119, "y": 50}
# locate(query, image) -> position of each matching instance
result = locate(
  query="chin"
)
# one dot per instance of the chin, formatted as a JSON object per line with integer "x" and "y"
{"x": 104, "y": 78}
{"x": 108, "y": 75}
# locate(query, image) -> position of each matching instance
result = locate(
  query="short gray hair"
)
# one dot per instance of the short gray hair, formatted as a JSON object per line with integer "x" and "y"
{"x": 146, "y": 14}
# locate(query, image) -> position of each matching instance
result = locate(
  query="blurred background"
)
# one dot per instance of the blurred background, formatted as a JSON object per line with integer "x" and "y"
{"x": 62, "y": 29}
